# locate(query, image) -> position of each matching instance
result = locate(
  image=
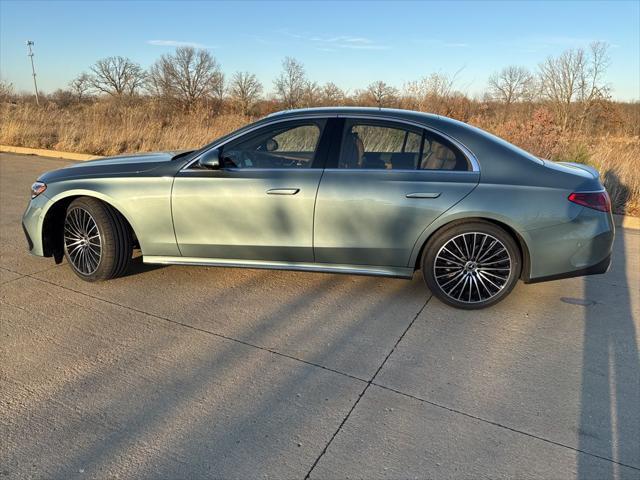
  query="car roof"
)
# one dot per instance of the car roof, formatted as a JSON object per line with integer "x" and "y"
{"x": 373, "y": 111}
{"x": 427, "y": 119}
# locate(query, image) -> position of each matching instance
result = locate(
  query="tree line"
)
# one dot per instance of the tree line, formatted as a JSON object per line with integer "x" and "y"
{"x": 571, "y": 84}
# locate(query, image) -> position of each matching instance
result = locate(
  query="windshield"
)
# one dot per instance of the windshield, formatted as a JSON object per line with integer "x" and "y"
{"x": 194, "y": 153}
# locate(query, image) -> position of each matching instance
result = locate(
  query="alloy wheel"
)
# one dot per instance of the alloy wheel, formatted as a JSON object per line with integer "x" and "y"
{"x": 472, "y": 267}
{"x": 82, "y": 241}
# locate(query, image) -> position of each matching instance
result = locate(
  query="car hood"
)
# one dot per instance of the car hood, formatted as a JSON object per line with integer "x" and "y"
{"x": 120, "y": 165}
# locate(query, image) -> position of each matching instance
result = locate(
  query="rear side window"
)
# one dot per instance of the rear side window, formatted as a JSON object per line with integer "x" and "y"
{"x": 440, "y": 154}
{"x": 379, "y": 146}
{"x": 394, "y": 146}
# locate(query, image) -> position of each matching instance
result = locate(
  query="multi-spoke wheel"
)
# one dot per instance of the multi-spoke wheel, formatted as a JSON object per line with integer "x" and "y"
{"x": 471, "y": 265}
{"x": 97, "y": 240}
{"x": 82, "y": 241}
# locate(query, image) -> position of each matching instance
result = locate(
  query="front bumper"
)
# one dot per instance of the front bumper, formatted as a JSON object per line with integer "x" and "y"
{"x": 580, "y": 247}
{"x": 32, "y": 222}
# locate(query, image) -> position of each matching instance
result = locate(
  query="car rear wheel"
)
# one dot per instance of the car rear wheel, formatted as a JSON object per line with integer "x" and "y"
{"x": 97, "y": 240}
{"x": 471, "y": 265}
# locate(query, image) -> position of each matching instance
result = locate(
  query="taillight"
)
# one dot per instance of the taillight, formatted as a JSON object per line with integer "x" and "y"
{"x": 596, "y": 200}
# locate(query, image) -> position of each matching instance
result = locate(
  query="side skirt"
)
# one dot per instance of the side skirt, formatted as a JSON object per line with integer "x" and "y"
{"x": 396, "y": 272}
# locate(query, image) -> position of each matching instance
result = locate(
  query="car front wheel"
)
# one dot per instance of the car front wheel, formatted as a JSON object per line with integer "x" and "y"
{"x": 97, "y": 240}
{"x": 471, "y": 265}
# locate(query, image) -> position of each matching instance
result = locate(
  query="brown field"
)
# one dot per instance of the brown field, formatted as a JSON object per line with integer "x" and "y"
{"x": 109, "y": 127}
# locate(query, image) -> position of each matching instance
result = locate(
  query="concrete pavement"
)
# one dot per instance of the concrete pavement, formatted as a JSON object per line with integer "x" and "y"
{"x": 189, "y": 372}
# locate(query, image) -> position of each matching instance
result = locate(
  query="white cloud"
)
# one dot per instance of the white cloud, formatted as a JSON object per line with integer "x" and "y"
{"x": 177, "y": 43}
{"x": 340, "y": 41}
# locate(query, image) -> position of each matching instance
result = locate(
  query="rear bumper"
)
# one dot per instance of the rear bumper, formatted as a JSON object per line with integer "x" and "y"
{"x": 573, "y": 249}
{"x": 598, "y": 268}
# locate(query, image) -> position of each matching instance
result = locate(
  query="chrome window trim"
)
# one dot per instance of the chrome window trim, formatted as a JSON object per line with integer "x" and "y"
{"x": 402, "y": 170}
{"x": 475, "y": 166}
{"x": 262, "y": 169}
{"x": 275, "y": 121}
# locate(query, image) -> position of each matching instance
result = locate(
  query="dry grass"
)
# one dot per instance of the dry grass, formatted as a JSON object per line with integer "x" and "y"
{"x": 618, "y": 161}
{"x": 108, "y": 128}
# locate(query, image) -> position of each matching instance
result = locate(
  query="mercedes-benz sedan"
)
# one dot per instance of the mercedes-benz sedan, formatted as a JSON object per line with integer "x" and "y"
{"x": 343, "y": 190}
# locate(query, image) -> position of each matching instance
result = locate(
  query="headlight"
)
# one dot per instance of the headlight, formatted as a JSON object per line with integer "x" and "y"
{"x": 37, "y": 188}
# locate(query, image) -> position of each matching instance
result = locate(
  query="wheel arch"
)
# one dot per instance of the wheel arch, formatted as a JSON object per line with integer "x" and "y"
{"x": 53, "y": 220}
{"x": 510, "y": 229}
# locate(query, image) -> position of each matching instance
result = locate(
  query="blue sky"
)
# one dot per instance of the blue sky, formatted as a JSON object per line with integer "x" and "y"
{"x": 349, "y": 43}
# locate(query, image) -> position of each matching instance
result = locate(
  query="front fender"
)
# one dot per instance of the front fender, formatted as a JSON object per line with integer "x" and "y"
{"x": 144, "y": 202}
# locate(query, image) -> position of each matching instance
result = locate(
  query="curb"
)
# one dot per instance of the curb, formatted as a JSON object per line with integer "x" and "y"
{"x": 48, "y": 153}
{"x": 621, "y": 221}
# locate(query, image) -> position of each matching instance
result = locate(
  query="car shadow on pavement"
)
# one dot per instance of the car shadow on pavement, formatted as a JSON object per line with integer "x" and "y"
{"x": 137, "y": 266}
{"x": 276, "y": 405}
{"x": 610, "y": 393}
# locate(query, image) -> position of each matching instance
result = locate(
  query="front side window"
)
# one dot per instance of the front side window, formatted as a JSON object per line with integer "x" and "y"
{"x": 276, "y": 146}
{"x": 379, "y": 146}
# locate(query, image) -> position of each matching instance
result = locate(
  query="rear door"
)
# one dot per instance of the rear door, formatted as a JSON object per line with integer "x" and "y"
{"x": 260, "y": 204}
{"x": 384, "y": 184}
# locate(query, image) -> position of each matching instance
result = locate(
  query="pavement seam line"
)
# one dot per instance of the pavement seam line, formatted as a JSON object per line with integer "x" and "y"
{"x": 198, "y": 329}
{"x": 500, "y": 425}
{"x": 23, "y": 275}
{"x": 364, "y": 390}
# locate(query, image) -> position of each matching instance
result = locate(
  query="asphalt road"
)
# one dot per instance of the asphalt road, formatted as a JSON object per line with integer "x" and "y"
{"x": 187, "y": 372}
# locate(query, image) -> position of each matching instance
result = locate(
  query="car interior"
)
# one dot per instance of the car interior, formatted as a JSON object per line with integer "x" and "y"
{"x": 377, "y": 147}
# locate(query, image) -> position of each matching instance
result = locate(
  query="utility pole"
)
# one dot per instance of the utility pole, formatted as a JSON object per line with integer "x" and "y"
{"x": 33, "y": 70}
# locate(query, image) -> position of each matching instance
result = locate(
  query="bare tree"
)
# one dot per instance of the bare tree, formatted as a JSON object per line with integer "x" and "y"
{"x": 311, "y": 94}
{"x": 511, "y": 84}
{"x": 80, "y": 85}
{"x": 291, "y": 83}
{"x": 574, "y": 81}
{"x": 187, "y": 76}
{"x": 431, "y": 93}
{"x": 117, "y": 76}
{"x": 245, "y": 90}
{"x": 332, "y": 94}
{"x": 381, "y": 93}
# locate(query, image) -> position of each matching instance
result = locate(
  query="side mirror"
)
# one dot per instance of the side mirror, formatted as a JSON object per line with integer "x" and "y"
{"x": 210, "y": 159}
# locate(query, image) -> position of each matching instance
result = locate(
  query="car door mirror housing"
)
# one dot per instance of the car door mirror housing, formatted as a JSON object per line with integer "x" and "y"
{"x": 210, "y": 159}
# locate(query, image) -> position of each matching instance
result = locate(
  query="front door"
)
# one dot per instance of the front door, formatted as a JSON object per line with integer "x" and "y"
{"x": 259, "y": 205}
{"x": 390, "y": 181}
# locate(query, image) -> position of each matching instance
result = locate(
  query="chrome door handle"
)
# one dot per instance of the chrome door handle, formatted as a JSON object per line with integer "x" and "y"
{"x": 423, "y": 195}
{"x": 283, "y": 191}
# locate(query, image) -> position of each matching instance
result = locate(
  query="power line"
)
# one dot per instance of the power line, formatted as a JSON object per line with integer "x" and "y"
{"x": 33, "y": 69}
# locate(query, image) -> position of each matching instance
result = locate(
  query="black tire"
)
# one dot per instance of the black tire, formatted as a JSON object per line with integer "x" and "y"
{"x": 474, "y": 274}
{"x": 109, "y": 229}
